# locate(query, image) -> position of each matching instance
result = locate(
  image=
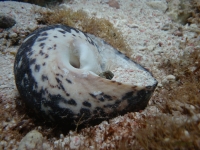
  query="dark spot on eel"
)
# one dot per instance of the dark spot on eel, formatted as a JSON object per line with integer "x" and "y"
{"x": 127, "y": 95}
{"x": 72, "y": 102}
{"x": 41, "y": 39}
{"x": 32, "y": 61}
{"x": 61, "y": 31}
{"x": 42, "y": 45}
{"x": 37, "y": 68}
{"x": 107, "y": 97}
{"x": 41, "y": 52}
{"x": 44, "y": 78}
{"x": 69, "y": 81}
{"x": 92, "y": 95}
{"x": 54, "y": 46}
{"x": 58, "y": 80}
{"x": 49, "y": 48}
{"x": 43, "y": 34}
{"x": 30, "y": 53}
{"x": 46, "y": 56}
{"x": 87, "y": 104}
{"x": 101, "y": 99}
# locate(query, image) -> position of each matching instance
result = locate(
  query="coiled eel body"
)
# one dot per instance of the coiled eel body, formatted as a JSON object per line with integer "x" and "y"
{"x": 57, "y": 75}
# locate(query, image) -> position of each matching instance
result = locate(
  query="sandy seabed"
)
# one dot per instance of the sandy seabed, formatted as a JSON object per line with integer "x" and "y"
{"x": 143, "y": 24}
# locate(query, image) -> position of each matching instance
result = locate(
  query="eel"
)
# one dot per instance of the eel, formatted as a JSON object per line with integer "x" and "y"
{"x": 65, "y": 75}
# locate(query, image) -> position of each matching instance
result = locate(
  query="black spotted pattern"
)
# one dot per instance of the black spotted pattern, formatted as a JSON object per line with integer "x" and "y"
{"x": 69, "y": 81}
{"x": 46, "y": 56}
{"x": 44, "y": 77}
{"x": 46, "y": 104}
{"x": 63, "y": 32}
{"x": 32, "y": 61}
{"x": 37, "y": 68}
{"x": 41, "y": 52}
{"x": 44, "y": 34}
{"x": 42, "y": 44}
{"x": 87, "y": 104}
{"x": 41, "y": 39}
{"x": 72, "y": 102}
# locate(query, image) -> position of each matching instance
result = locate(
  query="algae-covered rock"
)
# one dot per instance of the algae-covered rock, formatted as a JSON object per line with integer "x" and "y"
{"x": 179, "y": 10}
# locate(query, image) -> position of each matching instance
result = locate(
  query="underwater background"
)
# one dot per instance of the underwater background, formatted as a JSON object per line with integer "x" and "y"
{"x": 162, "y": 35}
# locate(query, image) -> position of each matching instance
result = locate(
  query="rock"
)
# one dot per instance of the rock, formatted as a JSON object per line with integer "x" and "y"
{"x": 142, "y": 48}
{"x": 113, "y": 3}
{"x": 178, "y": 33}
{"x": 151, "y": 47}
{"x": 167, "y": 27}
{"x": 75, "y": 142}
{"x": 160, "y": 85}
{"x": 170, "y": 77}
{"x": 3, "y": 144}
{"x": 32, "y": 27}
{"x": 6, "y": 21}
{"x": 179, "y": 10}
{"x": 158, "y": 5}
{"x": 12, "y": 35}
{"x": 33, "y": 140}
{"x": 13, "y": 39}
{"x": 132, "y": 25}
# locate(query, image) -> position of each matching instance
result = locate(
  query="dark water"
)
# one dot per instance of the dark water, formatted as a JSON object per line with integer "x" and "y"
{"x": 39, "y": 2}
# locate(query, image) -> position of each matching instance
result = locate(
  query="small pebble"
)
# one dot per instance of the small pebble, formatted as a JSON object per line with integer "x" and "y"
{"x": 132, "y": 25}
{"x": 61, "y": 136}
{"x": 166, "y": 27}
{"x": 114, "y": 4}
{"x": 178, "y": 33}
{"x": 157, "y": 20}
{"x": 13, "y": 35}
{"x": 158, "y": 5}
{"x": 186, "y": 133}
{"x": 75, "y": 142}
{"x": 32, "y": 27}
{"x": 151, "y": 47}
{"x": 170, "y": 78}
{"x": 3, "y": 144}
{"x": 142, "y": 48}
{"x": 160, "y": 85}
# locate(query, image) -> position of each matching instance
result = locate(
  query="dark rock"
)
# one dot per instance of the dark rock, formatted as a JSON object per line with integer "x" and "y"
{"x": 6, "y": 21}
